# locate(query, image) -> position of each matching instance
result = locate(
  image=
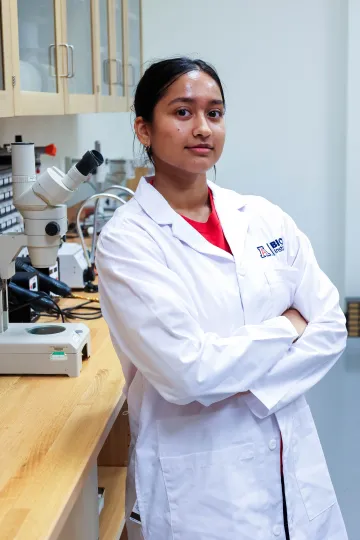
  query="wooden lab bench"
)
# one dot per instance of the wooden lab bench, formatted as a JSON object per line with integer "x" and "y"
{"x": 53, "y": 432}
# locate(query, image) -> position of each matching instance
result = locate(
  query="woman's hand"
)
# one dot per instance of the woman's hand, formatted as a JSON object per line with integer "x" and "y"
{"x": 296, "y": 319}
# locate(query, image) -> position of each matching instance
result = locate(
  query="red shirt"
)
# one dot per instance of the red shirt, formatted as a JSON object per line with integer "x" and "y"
{"x": 211, "y": 229}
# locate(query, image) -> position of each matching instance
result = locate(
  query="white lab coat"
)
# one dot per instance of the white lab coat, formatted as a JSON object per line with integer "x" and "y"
{"x": 193, "y": 326}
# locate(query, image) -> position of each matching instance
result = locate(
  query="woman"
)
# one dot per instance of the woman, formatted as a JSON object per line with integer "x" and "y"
{"x": 222, "y": 320}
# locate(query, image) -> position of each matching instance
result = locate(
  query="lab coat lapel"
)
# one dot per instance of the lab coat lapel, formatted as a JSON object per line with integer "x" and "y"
{"x": 160, "y": 211}
{"x": 187, "y": 234}
{"x": 233, "y": 221}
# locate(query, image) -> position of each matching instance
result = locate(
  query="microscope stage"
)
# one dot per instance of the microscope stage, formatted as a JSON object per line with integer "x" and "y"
{"x": 44, "y": 349}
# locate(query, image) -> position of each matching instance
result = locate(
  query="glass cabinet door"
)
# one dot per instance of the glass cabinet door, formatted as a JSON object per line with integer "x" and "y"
{"x": 79, "y": 39}
{"x": 135, "y": 45}
{"x": 120, "y": 63}
{"x": 36, "y": 26}
{"x": 79, "y": 44}
{"x": 105, "y": 62}
{"x": 37, "y": 56}
{"x": 6, "y": 90}
{"x": 113, "y": 94}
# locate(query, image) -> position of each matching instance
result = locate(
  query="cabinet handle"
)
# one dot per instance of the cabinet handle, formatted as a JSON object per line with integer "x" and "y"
{"x": 106, "y": 71}
{"x": 133, "y": 75}
{"x": 52, "y": 66}
{"x": 71, "y": 75}
{"x": 52, "y": 48}
{"x": 119, "y": 80}
{"x": 66, "y": 75}
{"x": 119, "y": 72}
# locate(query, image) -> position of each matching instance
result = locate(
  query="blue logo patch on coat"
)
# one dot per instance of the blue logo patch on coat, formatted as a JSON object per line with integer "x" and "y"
{"x": 263, "y": 252}
{"x": 276, "y": 246}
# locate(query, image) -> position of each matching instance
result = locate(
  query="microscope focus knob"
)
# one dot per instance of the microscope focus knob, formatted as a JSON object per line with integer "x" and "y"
{"x": 52, "y": 228}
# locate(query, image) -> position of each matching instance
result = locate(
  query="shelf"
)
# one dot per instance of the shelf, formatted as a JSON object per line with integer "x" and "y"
{"x": 112, "y": 517}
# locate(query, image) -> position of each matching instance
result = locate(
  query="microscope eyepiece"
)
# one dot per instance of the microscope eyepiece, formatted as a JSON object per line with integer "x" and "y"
{"x": 90, "y": 161}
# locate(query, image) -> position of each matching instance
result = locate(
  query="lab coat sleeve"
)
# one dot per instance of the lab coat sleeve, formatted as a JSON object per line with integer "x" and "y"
{"x": 153, "y": 321}
{"x": 316, "y": 351}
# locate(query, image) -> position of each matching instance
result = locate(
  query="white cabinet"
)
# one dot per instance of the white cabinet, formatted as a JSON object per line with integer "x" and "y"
{"x": 37, "y": 57}
{"x": 68, "y": 56}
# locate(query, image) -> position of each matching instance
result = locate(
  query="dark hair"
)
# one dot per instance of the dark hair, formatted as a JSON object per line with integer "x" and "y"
{"x": 157, "y": 79}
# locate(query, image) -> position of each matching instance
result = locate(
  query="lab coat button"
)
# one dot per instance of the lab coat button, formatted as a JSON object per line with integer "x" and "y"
{"x": 277, "y": 530}
{"x": 272, "y": 444}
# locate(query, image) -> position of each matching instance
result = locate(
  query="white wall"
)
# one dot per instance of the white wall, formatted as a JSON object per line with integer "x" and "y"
{"x": 352, "y": 281}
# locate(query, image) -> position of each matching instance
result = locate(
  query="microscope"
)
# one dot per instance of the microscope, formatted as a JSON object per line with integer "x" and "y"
{"x": 27, "y": 348}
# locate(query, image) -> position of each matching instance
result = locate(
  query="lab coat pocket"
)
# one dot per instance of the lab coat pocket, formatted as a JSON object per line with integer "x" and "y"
{"x": 208, "y": 492}
{"x": 310, "y": 466}
{"x": 282, "y": 281}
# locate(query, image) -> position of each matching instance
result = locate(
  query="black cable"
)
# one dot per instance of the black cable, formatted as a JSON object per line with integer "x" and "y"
{"x": 76, "y": 316}
{"x": 45, "y": 314}
{"x": 57, "y": 308}
{"x": 87, "y": 313}
{"x": 73, "y": 313}
{"x": 17, "y": 306}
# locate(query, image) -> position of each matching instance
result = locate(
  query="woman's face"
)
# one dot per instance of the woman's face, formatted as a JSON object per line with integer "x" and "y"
{"x": 188, "y": 128}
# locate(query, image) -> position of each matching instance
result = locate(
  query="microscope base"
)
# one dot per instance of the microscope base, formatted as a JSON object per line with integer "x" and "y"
{"x": 44, "y": 349}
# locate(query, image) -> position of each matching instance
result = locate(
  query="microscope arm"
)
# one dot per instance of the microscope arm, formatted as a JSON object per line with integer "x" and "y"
{"x": 41, "y": 200}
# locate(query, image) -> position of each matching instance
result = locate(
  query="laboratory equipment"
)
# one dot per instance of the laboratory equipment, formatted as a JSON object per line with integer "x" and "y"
{"x": 90, "y": 260}
{"x": 48, "y": 149}
{"x": 22, "y": 311}
{"x": 48, "y": 277}
{"x": 77, "y": 267}
{"x": 35, "y": 348}
{"x": 104, "y": 209}
{"x": 112, "y": 171}
{"x": 122, "y": 189}
{"x": 73, "y": 266}
{"x": 10, "y": 217}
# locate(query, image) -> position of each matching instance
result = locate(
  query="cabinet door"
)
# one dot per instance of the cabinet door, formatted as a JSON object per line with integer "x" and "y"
{"x": 37, "y": 55}
{"x": 118, "y": 59}
{"x": 79, "y": 37}
{"x": 134, "y": 33}
{"x": 105, "y": 15}
{"x": 113, "y": 53}
{"x": 6, "y": 90}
